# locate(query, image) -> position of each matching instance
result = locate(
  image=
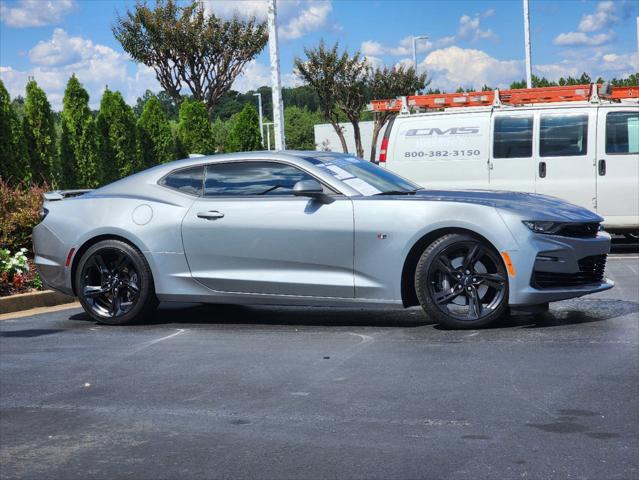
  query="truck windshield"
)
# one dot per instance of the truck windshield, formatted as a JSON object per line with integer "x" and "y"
{"x": 364, "y": 177}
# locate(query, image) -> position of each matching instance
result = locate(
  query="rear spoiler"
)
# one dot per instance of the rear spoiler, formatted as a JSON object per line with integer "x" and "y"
{"x": 56, "y": 195}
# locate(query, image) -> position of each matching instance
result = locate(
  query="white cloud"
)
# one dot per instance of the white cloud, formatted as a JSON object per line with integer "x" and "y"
{"x": 405, "y": 47}
{"x": 599, "y": 64}
{"x": 582, "y": 39}
{"x": 310, "y": 18}
{"x": 295, "y": 18}
{"x": 469, "y": 29}
{"x": 606, "y": 15}
{"x": 35, "y": 13}
{"x": 95, "y": 65}
{"x": 451, "y": 67}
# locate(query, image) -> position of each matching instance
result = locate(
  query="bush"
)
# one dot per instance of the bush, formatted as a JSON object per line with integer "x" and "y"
{"x": 19, "y": 213}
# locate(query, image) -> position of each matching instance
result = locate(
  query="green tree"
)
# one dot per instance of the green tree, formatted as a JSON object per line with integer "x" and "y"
{"x": 118, "y": 145}
{"x": 194, "y": 129}
{"x": 298, "y": 125}
{"x": 78, "y": 150}
{"x": 219, "y": 132}
{"x": 156, "y": 139}
{"x": 14, "y": 162}
{"x": 40, "y": 136}
{"x": 321, "y": 70}
{"x": 244, "y": 134}
{"x": 169, "y": 107}
{"x": 390, "y": 83}
{"x": 186, "y": 46}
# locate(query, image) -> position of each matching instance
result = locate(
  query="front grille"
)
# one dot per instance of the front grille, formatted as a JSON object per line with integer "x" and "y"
{"x": 579, "y": 230}
{"x": 591, "y": 270}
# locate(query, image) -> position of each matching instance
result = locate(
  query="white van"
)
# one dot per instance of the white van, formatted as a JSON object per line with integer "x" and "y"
{"x": 586, "y": 153}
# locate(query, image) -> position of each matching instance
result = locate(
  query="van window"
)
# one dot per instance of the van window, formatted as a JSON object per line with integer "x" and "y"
{"x": 512, "y": 137}
{"x": 563, "y": 135}
{"x": 622, "y": 132}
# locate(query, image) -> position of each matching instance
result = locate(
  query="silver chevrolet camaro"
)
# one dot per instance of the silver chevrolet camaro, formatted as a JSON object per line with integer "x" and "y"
{"x": 313, "y": 228}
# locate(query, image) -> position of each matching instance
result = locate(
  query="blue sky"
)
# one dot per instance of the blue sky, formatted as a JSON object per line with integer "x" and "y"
{"x": 470, "y": 42}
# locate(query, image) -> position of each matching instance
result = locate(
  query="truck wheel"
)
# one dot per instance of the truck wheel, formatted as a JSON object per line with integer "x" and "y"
{"x": 114, "y": 283}
{"x": 461, "y": 282}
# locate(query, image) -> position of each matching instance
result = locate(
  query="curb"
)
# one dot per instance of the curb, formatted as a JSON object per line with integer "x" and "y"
{"x": 27, "y": 301}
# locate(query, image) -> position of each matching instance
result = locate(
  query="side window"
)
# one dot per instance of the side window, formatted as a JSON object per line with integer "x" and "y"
{"x": 563, "y": 135}
{"x": 251, "y": 178}
{"x": 622, "y": 132}
{"x": 187, "y": 180}
{"x": 512, "y": 137}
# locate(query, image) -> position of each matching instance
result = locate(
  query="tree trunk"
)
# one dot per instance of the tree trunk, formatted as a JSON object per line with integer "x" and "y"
{"x": 358, "y": 139}
{"x": 377, "y": 127}
{"x": 340, "y": 134}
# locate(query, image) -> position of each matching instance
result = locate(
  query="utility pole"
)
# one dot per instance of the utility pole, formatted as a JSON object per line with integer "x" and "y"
{"x": 259, "y": 104}
{"x": 527, "y": 45}
{"x": 276, "y": 84}
{"x": 415, "y": 38}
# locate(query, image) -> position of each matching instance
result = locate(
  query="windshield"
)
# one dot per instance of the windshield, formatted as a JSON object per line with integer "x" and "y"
{"x": 363, "y": 176}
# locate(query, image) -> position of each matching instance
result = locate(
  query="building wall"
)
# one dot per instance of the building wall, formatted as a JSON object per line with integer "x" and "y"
{"x": 326, "y": 138}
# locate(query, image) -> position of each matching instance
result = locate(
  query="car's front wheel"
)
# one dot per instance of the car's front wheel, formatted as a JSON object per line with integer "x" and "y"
{"x": 114, "y": 283}
{"x": 461, "y": 282}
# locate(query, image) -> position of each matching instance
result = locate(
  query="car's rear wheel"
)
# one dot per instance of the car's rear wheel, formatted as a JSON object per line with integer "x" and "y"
{"x": 461, "y": 282}
{"x": 114, "y": 283}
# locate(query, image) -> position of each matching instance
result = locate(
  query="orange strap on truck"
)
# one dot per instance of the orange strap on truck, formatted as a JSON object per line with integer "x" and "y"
{"x": 523, "y": 96}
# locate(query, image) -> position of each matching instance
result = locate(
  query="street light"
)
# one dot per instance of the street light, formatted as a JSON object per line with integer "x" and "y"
{"x": 415, "y": 38}
{"x": 259, "y": 103}
{"x": 527, "y": 45}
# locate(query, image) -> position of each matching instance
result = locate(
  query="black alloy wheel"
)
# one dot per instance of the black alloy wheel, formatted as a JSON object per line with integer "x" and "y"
{"x": 114, "y": 283}
{"x": 462, "y": 282}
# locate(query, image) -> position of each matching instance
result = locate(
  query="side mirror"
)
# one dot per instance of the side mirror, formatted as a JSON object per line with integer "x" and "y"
{"x": 312, "y": 189}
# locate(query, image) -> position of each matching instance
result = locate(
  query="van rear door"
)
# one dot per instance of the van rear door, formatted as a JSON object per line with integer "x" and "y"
{"x": 441, "y": 150}
{"x": 512, "y": 165}
{"x": 618, "y": 166}
{"x": 566, "y": 154}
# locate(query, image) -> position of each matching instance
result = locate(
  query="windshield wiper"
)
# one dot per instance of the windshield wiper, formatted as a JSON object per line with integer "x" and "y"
{"x": 397, "y": 192}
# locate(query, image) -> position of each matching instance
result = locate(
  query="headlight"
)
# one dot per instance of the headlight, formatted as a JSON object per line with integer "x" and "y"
{"x": 543, "y": 227}
{"x": 43, "y": 213}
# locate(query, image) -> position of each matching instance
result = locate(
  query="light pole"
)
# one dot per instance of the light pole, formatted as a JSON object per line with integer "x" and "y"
{"x": 268, "y": 135}
{"x": 259, "y": 104}
{"x": 278, "y": 107}
{"x": 527, "y": 45}
{"x": 415, "y": 38}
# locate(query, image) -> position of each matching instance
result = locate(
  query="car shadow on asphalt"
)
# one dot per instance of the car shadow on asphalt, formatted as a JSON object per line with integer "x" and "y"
{"x": 560, "y": 314}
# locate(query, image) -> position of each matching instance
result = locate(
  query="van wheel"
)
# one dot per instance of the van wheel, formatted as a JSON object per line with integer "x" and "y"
{"x": 461, "y": 282}
{"x": 114, "y": 283}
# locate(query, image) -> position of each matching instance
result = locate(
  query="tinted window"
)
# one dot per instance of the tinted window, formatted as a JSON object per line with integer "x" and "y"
{"x": 251, "y": 178}
{"x": 563, "y": 136}
{"x": 188, "y": 180}
{"x": 512, "y": 137}
{"x": 622, "y": 132}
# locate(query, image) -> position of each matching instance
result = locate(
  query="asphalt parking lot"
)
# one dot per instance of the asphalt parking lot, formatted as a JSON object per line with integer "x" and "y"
{"x": 265, "y": 392}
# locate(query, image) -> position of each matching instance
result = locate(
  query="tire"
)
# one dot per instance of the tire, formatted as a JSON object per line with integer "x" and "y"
{"x": 461, "y": 282}
{"x": 114, "y": 283}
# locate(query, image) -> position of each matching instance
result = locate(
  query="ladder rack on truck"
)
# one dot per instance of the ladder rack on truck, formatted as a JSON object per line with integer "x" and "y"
{"x": 525, "y": 96}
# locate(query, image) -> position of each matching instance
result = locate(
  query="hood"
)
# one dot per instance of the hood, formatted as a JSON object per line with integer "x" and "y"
{"x": 529, "y": 206}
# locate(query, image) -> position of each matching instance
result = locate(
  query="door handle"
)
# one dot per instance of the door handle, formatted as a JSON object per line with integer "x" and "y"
{"x": 210, "y": 215}
{"x": 542, "y": 169}
{"x": 602, "y": 167}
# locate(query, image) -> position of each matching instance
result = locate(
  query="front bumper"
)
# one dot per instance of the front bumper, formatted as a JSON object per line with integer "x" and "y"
{"x": 564, "y": 254}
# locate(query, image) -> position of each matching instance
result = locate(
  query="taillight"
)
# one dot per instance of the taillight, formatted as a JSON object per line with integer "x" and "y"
{"x": 382, "y": 150}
